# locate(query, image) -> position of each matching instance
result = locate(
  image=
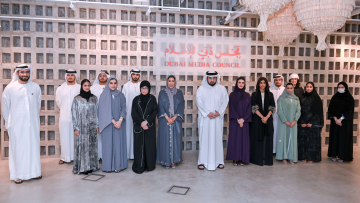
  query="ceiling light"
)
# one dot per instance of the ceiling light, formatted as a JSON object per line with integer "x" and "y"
{"x": 72, "y": 6}
{"x": 356, "y": 38}
{"x": 228, "y": 17}
{"x": 148, "y": 12}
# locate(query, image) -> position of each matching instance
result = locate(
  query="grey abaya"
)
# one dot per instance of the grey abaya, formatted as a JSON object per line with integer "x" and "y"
{"x": 169, "y": 141}
{"x": 114, "y": 151}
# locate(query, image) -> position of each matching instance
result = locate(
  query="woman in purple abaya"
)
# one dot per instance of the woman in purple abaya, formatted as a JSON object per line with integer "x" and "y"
{"x": 238, "y": 148}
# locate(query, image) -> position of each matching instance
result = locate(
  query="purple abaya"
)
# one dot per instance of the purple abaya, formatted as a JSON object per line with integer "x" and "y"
{"x": 239, "y": 138}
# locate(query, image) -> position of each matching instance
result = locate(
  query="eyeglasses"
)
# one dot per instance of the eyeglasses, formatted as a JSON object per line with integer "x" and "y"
{"x": 144, "y": 88}
{"x": 104, "y": 76}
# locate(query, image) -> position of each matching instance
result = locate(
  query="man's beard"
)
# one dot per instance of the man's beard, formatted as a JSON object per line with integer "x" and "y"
{"x": 103, "y": 81}
{"x": 24, "y": 79}
{"x": 136, "y": 79}
{"x": 212, "y": 85}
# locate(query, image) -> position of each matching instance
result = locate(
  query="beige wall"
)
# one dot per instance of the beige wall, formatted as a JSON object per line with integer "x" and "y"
{"x": 119, "y": 38}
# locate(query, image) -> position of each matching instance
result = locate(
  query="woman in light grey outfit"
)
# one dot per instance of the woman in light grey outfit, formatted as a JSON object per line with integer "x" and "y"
{"x": 112, "y": 114}
{"x": 86, "y": 127}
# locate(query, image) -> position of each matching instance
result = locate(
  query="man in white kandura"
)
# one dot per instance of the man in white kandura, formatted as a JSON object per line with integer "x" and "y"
{"x": 96, "y": 89}
{"x": 212, "y": 100}
{"x": 131, "y": 89}
{"x": 64, "y": 98}
{"x": 277, "y": 88}
{"x": 21, "y": 101}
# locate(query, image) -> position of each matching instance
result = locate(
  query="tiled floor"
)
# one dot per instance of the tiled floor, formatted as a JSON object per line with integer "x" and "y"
{"x": 318, "y": 182}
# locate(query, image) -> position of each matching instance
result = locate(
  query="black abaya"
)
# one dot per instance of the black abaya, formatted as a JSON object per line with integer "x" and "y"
{"x": 144, "y": 140}
{"x": 341, "y": 137}
{"x": 298, "y": 91}
{"x": 261, "y": 135}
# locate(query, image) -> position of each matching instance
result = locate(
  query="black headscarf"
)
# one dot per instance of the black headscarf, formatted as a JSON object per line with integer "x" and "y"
{"x": 144, "y": 98}
{"x": 316, "y": 103}
{"x": 240, "y": 93}
{"x": 341, "y": 102}
{"x": 83, "y": 94}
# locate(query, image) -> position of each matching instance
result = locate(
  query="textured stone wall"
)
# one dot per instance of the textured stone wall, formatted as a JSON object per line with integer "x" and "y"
{"x": 51, "y": 38}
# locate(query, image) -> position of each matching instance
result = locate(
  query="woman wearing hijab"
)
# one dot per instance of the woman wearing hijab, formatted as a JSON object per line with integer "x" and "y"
{"x": 311, "y": 121}
{"x": 238, "y": 148}
{"x": 143, "y": 112}
{"x": 112, "y": 114}
{"x": 262, "y": 129}
{"x": 86, "y": 126}
{"x": 341, "y": 113}
{"x": 295, "y": 80}
{"x": 170, "y": 116}
{"x": 289, "y": 113}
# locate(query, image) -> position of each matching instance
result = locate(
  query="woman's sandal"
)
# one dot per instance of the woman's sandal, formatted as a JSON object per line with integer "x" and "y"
{"x": 117, "y": 171}
{"x": 235, "y": 163}
{"x": 201, "y": 165}
{"x": 173, "y": 165}
{"x": 292, "y": 162}
{"x": 61, "y": 162}
{"x": 304, "y": 160}
{"x": 221, "y": 167}
{"x": 21, "y": 181}
{"x": 241, "y": 163}
{"x": 107, "y": 171}
{"x": 284, "y": 161}
{"x": 334, "y": 159}
{"x": 340, "y": 160}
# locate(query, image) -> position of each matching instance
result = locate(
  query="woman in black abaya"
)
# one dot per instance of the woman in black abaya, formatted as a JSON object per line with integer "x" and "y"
{"x": 341, "y": 113}
{"x": 311, "y": 121}
{"x": 143, "y": 113}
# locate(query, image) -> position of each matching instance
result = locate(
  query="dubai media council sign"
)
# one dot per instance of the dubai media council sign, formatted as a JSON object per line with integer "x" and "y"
{"x": 194, "y": 55}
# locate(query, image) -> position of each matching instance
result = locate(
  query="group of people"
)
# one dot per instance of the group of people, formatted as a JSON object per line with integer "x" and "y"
{"x": 101, "y": 122}
{"x": 287, "y": 121}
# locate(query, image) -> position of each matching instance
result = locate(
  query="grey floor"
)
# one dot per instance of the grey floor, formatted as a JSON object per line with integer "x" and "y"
{"x": 303, "y": 182}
